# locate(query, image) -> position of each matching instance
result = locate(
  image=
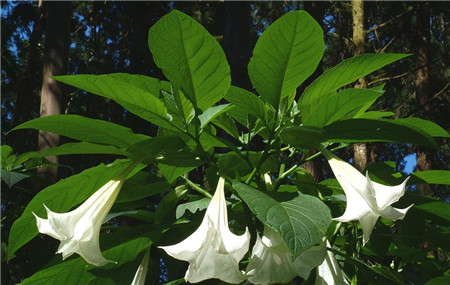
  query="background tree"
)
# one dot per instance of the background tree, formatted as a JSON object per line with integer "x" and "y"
{"x": 107, "y": 37}
{"x": 55, "y": 63}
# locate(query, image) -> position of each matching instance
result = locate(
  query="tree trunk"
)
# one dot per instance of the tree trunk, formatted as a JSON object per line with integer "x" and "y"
{"x": 425, "y": 157}
{"x": 26, "y": 90}
{"x": 237, "y": 41}
{"x": 317, "y": 10}
{"x": 359, "y": 149}
{"x": 55, "y": 63}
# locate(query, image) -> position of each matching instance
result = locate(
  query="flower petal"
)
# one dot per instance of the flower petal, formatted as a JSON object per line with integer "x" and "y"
{"x": 367, "y": 224}
{"x": 329, "y": 272}
{"x": 79, "y": 230}
{"x": 394, "y": 214}
{"x": 213, "y": 251}
{"x": 387, "y": 195}
{"x": 272, "y": 263}
{"x": 141, "y": 273}
{"x": 268, "y": 266}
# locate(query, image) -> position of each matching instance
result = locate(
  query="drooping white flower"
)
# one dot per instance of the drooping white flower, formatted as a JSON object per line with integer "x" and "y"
{"x": 79, "y": 230}
{"x": 329, "y": 272}
{"x": 141, "y": 273}
{"x": 366, "y": 200}
{"x": 213, "y": 251}
{"x": 271, "y": 261}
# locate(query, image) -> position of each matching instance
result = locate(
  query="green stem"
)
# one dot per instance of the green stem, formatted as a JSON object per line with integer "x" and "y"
{"x": 260, "y": 162}
{"x": 283, "y": 176}
{"x": 197, "y": 188}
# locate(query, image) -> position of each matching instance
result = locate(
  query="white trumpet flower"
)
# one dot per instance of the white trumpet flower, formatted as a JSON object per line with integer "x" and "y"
{"x": 329, "y": 272}
{"x": 271, "y": 261}
{"x": 213, "y": 251}
{"x": 79, "y": 230}
{"x": 366, "y": 200}
{"x": 141, "y": 273}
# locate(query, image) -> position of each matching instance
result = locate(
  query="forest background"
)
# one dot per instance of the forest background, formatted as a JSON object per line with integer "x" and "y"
{"x": 40, "y": 38}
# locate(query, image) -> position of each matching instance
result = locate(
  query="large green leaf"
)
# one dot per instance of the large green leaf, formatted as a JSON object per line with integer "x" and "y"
{"x": 301, "y": 220}
{"x": 61, "y": 197}
{"x": 430, "y": 177}
{"x": 438, "y": 208}
{"x": 285, "y": 55}
{"x": 246, "y": 101}
{"x": 85, "y": 129}
{"x": 344, "y": 73}
{"x": 211, "y": 113}
{"x": 428, "y": 127}
{"x": 173, "y": 165}
{"x": 72, "y": 148}
{"x": 136, "y": 93}
{"x": 190, "y": 58}
{"x": 376, "y": 130}
{"x": 304, "y": 136}
{"x": 141, "y": 185}
{"x": 335, "y": 106}
{"x": 147, "y": 150}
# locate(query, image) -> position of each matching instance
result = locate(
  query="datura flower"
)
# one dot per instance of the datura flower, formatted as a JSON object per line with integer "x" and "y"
{"x": 271, "y": 261}
{"x": 141, "y": 273}
{"x": 79, "y": 230}
{"x": 366, "y": 200}
{"x": 329, "y": 272}
{"x": 213, "y": 251}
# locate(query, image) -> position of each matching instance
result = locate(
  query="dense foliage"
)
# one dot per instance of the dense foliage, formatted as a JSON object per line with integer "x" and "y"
{"x": 166, "y": 139}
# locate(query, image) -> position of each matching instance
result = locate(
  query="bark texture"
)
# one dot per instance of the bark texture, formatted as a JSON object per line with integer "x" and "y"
{"x": 359, "y": 149}
{"x": 55, "y": 63}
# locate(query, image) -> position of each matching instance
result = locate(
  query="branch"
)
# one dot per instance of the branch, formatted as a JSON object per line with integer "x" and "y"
{"x": 387, "y": 22}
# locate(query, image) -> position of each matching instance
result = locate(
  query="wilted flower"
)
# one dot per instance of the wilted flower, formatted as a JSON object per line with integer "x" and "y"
{"x": 141, "y": 273}
{"x": 366, "y": 200}
{"x": 79, "y": 230}
{"x": 271, "y": 261}
{"x": 213, "y": 251}
{"x": 329, "y": 272}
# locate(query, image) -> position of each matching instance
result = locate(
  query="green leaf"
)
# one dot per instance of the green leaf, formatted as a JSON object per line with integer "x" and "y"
{"x": 304, "y": 136}
{"x": 71, "y": 148}
{"x": 141, "y": 185}
{"x": 85, "y": 129}
{"x": 226, "y": 123}
{"x": 428, "y": 127}
{"x": 212, "y": 113}
{"x": 7, "y": 156}
{"x": 190, "y": 58}
{"x": 376, "y": 130}
{"x": 438, "y": 208}
{"x": 61, "y": 197}
{"x": 285, "y": 55}
{"x": 136, "y": 93}
{"x": 430, "y": 177}
{"x": 169, "y": 202}
{"x": 124, "y": 247}
{"x": 192, "y": 207}
{"x": 441, "y": 280}
{"x": 180, "y": 105}
{"x": 375, "y": 115}
{"x": 335, "y": 106}
{"x": 11, "y": 177}
{"x": 173, "y": 165}
{"x": 246, "y": 101}
{"x": 301, "y": 220}
{"x": 147, "y": 150}
{"x": 344, "y": 73}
